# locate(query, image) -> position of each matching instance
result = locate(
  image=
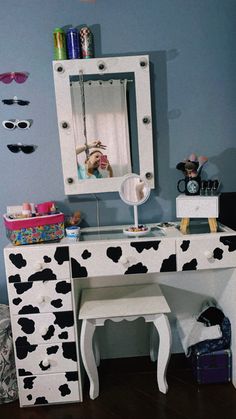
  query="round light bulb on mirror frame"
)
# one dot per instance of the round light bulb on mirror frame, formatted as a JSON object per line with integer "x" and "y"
{"x": 134, "y": 190}
{"x": 59, "y": 68}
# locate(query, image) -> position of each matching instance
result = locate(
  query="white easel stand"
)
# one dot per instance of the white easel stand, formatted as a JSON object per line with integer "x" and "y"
{"x": 197, "y": 207}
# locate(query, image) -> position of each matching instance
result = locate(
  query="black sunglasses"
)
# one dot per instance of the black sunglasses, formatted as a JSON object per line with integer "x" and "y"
{"x": 27, "y": 149}
{"x": 15, "y": 101}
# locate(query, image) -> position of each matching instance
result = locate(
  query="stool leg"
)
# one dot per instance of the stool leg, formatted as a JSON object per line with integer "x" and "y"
{"x": 96, "y": 350}
{"x": 86, "y": 346}
{"x": 153, "y": 343}
{"x": 163, "y": 327}
{"x": 212, "y": 224}
{"x": 184, "y": 225}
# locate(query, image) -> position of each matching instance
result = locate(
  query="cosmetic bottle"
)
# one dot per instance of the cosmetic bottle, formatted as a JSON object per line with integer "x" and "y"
{"x": 26, "y": 209}
{"x": 59, "y": 38}
{"x": 86, "y": 42}
{"x": 72, "y": 43}
{"x": 33, "y": 209}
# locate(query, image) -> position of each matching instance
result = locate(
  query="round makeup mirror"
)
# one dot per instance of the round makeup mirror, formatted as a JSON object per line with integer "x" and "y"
{"x": 135, "y": 191}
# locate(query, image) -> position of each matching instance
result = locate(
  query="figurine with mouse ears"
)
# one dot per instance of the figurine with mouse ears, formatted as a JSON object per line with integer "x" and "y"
{"x": 191, "y": 169}
{"x": 192, "y": 166}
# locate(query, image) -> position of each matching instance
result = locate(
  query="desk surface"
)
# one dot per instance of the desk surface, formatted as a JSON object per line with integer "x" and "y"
{"x": 115, "y": 233}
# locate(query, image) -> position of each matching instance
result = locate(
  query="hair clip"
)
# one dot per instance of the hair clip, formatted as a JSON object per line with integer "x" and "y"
{"x": 19, "y": 77}
{"x": 27, "y": 149}
{"x": 15, "y": 123}
{"x": 15, "y": 101}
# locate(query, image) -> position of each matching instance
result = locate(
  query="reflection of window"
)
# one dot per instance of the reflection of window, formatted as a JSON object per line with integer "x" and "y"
{"x": 106, "y": 120}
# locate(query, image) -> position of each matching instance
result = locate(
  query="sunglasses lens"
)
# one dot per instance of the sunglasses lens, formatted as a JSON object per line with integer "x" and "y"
{"x": 6, "y": 78}
{"x": 8, "y": 124}
{"x": 27, "y": 149}
{"x": 22, "y": 102}
{"x": 14, "y": 148}
{"x": 20, "y": 77}
{"x": 23, "y": 124}
{"x": 8, "y": 101}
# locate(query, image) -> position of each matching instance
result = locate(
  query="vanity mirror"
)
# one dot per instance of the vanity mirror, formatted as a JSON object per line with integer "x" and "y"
{"x": 135, "y": 191}
{"x": 104, "y": 121}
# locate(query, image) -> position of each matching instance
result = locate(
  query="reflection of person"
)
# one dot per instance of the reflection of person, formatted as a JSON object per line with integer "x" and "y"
{"x": 90, "y": 168}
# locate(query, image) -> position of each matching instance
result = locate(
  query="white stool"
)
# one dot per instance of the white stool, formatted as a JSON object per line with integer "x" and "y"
{"x": 124, "y": 303}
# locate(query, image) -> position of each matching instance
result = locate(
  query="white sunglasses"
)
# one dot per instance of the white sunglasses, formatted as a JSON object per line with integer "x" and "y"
{"x": 16, "y": 123}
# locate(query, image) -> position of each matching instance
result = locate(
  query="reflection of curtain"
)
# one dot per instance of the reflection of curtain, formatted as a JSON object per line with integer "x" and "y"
{"x": 106, "y": 120}
{"x": 129, "y": 189}
{"x": 134, "y": 189}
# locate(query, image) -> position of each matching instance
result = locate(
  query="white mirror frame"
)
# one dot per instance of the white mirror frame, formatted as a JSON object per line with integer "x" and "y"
{"x": 63, "y": 70}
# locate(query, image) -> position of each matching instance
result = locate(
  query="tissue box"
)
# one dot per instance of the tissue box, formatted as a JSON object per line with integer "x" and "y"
{"x": 34, "y": 229}
{"x": 213, "y": 367}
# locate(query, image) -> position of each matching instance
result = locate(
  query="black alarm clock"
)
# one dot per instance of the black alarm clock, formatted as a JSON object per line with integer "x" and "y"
{"x": 191, "y": 185}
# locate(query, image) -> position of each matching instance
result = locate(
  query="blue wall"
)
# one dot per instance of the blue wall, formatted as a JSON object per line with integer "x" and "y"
{"x": 192, "y": 50}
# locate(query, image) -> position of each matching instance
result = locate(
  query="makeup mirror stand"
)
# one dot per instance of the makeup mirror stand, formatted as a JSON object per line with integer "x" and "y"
{"x": 135, "y": 216}
{"x": 135, "y": 191}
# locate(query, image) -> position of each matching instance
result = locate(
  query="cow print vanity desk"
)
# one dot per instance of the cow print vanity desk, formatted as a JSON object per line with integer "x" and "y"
{"x": 45, "y": 281}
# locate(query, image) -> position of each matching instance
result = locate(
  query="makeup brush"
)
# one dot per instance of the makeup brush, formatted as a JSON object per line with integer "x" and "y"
{"x": 202, "y": 160}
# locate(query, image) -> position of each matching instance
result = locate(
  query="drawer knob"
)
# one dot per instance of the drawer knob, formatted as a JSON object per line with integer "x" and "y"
{"x": 46, "y": 362}
{"x": 44, "y": 330}
{"x": 38, "y": 266}
{"x": 208, "y": 254}
{"x": 41, "y": 299}
{"x": 124, "y": 260}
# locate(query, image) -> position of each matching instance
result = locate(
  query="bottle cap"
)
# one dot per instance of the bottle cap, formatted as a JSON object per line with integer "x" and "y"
{"x": 59, "y": 30}
{"x": 26, "y": 206}
{"x": 72, "y": 30}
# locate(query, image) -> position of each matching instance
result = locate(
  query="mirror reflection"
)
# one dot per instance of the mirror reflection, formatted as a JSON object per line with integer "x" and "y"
{"x": 101, "y": 122}
{"x": 134, "y": 190}
{"x": 96, "y": 164}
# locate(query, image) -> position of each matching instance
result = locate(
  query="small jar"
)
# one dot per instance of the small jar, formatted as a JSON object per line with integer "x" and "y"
{"x": 72, "y": 232}
{"x": 26, "y": 209}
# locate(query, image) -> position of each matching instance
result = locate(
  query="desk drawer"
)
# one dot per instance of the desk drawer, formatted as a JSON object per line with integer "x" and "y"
{"x": 37, "y": 263}
{"x": 44, "y": 359}
{"x": 131, "y": 257}
{"x": 51, "y": 388}
{"x": 45, "y": 328}
{"x": 39, "y": 297}
{"x": 208, "y": 253}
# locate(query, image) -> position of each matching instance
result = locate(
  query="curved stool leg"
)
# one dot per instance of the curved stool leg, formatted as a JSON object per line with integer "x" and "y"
{"x": 86, "y": 346}
{"x": 153, "y": 343}
{"x": 163, "y": 327}
{"x": 96, "y": 350}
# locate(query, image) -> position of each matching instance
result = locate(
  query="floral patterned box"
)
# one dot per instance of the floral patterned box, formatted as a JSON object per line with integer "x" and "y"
{"x": 34, "y": 229}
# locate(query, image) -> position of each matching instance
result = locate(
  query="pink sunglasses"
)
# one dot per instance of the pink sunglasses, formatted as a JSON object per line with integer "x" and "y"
{"x": 18, "y": 77}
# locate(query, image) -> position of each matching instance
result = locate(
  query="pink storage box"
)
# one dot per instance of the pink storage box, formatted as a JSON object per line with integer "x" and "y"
{"x": 34, "y": 229}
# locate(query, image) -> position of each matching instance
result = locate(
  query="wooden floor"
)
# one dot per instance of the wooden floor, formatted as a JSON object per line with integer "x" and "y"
{"x": 128, "y": 390}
